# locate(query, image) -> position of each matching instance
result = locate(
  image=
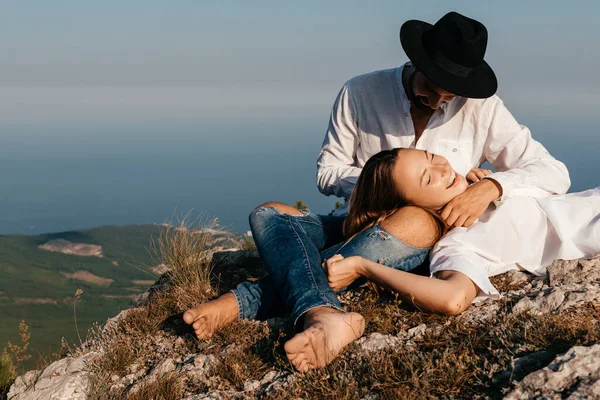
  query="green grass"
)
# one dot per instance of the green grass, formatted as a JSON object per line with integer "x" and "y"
{"x": 30, "y": 272}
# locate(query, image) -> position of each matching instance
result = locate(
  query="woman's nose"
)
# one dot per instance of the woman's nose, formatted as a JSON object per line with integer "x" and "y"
{"x": 444, "y": 171}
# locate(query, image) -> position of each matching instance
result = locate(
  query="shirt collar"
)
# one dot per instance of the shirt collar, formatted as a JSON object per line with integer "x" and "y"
{"x": 405, "y": 100}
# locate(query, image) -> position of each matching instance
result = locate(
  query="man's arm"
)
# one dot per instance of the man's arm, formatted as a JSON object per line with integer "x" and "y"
{"x": 524, "y": 166}
{"x": 336, "y": 170}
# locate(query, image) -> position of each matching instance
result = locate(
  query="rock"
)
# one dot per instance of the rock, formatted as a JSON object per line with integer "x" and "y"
{"x": 164, "y": 367}
{"x": 63, "y": 379}
{"x": 575, "y": 374}
{"x": 279, "y": 384}
{"x": 197, "y": 366}
{"x": 203, "y": 361}
{"x": 24, "y": 382}
{"x": 113, "y": 323}
{"x": 556, "y": 298}
{"x": 518, "y": 278}
{"x": 250, "y": 386}
{"x": 479, "y": 313}
{"x": 376, "y": 341}
{"x": 417, "y": 332}
{"x": 563, "y": 272}
{"x": 524, "y": 365}
{"x": 270, "y": 377}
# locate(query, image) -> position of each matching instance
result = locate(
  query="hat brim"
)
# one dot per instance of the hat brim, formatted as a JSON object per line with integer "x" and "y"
{"x": 481, "y": 83}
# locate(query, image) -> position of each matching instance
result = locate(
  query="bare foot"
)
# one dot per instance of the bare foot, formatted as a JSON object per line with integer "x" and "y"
{"x": 326, "y": 332}
{"x": 209, "y": 317}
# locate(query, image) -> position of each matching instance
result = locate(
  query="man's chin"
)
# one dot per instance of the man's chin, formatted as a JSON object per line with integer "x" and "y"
{"x": 422, "y": 106}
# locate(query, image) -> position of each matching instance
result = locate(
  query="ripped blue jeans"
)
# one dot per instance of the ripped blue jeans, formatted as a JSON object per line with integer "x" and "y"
{"x": 292, "y": 248}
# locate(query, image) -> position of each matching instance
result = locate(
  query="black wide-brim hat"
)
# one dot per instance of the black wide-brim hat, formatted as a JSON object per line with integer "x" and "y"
{"x": 450, "y": 54}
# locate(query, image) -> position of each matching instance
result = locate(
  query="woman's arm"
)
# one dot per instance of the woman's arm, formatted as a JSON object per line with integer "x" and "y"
{"x": 450, "y": 293}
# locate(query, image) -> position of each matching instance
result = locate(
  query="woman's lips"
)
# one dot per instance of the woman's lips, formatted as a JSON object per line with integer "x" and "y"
{"x": 455, "y": 180}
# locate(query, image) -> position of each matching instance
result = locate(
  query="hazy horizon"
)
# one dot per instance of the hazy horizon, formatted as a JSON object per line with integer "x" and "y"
{"x": 123, "y": 113}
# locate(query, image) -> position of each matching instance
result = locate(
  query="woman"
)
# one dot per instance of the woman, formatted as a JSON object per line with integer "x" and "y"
{"x": 391, "y": 184}
{"x": 292, "y": 246}
{"x": 521, "y": 232}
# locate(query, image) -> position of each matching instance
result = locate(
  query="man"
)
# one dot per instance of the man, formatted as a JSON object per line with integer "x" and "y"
{"x": 442, "y": 101}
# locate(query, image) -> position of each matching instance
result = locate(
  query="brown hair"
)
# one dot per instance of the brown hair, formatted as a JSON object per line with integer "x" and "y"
{"x": 375, "y": 196}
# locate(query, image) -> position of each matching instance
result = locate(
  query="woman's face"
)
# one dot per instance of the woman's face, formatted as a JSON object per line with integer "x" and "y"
{"x": 426, "y": 180}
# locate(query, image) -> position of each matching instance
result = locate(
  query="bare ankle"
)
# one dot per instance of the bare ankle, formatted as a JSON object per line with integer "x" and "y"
{"x": 313, "y": 313}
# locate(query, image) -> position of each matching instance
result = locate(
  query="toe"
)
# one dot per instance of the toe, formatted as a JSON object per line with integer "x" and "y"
{"x": 202, "y": 334}
{"x": 304, "y": 366}
{"x": 189, "y": 316}
{"x": 198, "y": 324}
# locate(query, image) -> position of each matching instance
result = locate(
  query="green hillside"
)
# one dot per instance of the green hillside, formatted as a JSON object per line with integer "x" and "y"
{"x": 38, "y": 285}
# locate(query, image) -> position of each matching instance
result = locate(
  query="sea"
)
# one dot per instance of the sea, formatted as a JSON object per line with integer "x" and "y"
{"x": 57, "y": 177}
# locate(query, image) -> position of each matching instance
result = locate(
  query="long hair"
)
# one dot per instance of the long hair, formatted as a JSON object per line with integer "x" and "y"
{"x": 375, "y": 196}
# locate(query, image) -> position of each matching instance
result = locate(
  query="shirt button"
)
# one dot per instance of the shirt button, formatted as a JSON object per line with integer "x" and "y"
{"x": 406, "y": 114}
{"x": 454, "y": 150}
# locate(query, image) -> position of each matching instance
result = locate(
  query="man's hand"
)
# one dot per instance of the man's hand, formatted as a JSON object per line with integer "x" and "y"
{"x": 477, "y": 174}
{"x": 465, "y": 208}
{"x": 341, "y": 272}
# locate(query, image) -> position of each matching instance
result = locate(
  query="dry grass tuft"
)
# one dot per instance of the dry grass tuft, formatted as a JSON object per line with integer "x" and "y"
{"x": 166, "y": 387}
{"x": 188, "y": 255}
{"x": 139, "y": 336}
{"x": 237, "y": 366}
{"x": 147, "y": 320}
{"x": 117, "y": 358}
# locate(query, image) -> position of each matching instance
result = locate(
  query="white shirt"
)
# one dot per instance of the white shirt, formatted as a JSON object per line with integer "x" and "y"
{"x": 521, "y": 233}
{"x": 372, "y": 113}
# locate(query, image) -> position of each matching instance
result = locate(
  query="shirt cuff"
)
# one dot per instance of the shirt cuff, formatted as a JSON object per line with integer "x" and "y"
{"x": 504, "y": 182}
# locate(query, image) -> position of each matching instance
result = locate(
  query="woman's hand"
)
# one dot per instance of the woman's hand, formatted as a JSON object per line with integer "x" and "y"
{"x": 477, "y": 174}
{"x": 341, "y": 272}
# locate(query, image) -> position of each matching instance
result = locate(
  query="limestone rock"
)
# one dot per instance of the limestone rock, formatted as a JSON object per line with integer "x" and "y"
{"x": 563, "y": 272}
{"x": 574, "y": 374}
{"x": 556, "y": 298}
{"x": 377, "y": 341}
{"x": 63, "y": 379}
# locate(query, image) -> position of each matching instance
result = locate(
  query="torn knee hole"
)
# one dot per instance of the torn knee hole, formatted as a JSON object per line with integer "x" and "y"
{"x": 380, "y": 234}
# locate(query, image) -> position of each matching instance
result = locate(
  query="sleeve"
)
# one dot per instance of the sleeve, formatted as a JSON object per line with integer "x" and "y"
{"x": 525, "y": 166}
{"x": 465, "y": 262}
{"x": 336, "y": 164}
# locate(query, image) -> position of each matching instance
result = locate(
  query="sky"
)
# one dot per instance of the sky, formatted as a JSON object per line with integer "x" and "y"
{"x": 146, "y": 78}
{"x": 156, "y": 59}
